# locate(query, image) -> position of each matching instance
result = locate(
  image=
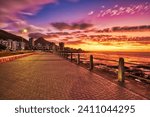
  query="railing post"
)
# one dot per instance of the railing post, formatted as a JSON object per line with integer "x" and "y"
{"x": 91, "y": 62}
{"x": 78, "y": 59}
{"x": 71, "y": 56}
{"x": 121, "y": 70}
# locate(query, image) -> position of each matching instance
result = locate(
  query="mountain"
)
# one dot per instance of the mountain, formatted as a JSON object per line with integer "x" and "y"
{"x": 6, "y": 35}
{"x": 42, "y": 41}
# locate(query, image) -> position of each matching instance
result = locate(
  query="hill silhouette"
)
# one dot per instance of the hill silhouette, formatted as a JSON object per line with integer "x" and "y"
{"x": 6, "y": 35}
{"x": 42, "y": 41}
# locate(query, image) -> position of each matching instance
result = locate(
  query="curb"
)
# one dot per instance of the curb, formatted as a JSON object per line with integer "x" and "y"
{"x": 14, "y": 57}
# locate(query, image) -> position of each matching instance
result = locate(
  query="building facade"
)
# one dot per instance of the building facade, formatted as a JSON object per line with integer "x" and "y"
{"x": 61, "y": 46}
{"x": 31, "y": 43}
{"x": 12, "y": 45}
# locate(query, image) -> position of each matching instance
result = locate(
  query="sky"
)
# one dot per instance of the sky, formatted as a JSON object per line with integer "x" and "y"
{"x": 96, "y": 25}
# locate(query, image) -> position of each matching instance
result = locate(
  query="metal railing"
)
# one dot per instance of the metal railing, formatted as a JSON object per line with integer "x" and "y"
{"x": 121, "y": 69}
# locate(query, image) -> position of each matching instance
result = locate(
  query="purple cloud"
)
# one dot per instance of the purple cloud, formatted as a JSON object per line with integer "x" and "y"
{"x": 119, "y": 10}
{"x": 9, "y": 9}
{"x": 35, "y": 35}
{"x": 74, "y": 26}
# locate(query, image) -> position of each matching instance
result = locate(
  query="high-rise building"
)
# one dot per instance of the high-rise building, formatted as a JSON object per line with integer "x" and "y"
{"x": 61, "y": 46}
{"x": 14, "y": 45}
{"x": 9, "y": 44}
{"x": 55, "y": 48}
{"x": 22, "y": 45}
{"x": 31, "y": 43}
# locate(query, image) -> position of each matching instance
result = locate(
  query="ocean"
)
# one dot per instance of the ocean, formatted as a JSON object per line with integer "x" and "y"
{"x": 137, "y": 63}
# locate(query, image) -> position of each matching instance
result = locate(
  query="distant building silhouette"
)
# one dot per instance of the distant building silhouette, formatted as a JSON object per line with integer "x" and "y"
{"x": 9, "y": 47}
{"x": 61, "y": 46}
{"x": 31, "y": 43}
{"x": 22, "y": 45}
{"x": 55, "y": 48}
{"x": 42, "y": 44}
{"x": 14, "y": 45}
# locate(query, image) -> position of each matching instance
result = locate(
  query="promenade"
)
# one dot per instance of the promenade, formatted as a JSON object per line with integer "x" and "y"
{"x": 50, "y": 77}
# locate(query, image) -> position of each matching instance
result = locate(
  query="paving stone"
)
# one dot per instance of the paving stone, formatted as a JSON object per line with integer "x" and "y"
{"x": 47, "y": 76}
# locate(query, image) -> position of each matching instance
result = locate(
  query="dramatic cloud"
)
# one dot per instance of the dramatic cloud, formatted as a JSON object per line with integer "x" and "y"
{"x": 35, "y": 35}
{"x": 51, "y": 36}
{"x": 10, "y": 9}
{"x": 75, "y": 42}
{"x": 59, "y": 33}
{"x": 116, "y": 41}
{"x": 32, "y": 28}
{"x": 19, "y": 24}
{"x": 131, "y": 28}
{"x": 119, "y": 10}
{"x": 61, "y": 26}
{"x": 124, "y": 29}
{"x": 26, "y": 13}
{"x": 94, "y": 38}
{"x": 3, "y": 25}
{"x": 79, "y": 26}
{"x": 48, "y": 35}
{"x": 91, "y": 13}
{"x": 29, "y": 29}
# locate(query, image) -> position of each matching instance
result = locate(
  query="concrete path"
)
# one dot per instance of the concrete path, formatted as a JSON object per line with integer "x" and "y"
{"x": 47, "y": 76}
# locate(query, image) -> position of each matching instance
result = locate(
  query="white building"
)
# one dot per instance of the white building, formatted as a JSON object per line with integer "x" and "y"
{"x": 9, "y": 44}
{"x": 14, "y": 45}
{"x": 22, "y": 45}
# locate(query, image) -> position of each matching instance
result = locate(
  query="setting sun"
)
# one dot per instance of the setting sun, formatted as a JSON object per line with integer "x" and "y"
{"x": 24, "y": 31}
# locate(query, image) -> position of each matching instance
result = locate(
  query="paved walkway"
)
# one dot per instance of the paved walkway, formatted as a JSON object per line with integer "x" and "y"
{"x": 47, "y": 76}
